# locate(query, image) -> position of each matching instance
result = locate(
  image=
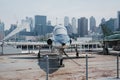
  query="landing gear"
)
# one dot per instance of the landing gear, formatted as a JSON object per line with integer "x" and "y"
{"x": 77, "y": 53}
{"x": 61, "y": 51}
{"x": 39, "y": 54}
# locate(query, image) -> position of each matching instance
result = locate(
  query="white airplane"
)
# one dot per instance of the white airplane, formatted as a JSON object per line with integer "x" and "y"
{"x": 60, "y": 40}
{"x": 60, "y": 37}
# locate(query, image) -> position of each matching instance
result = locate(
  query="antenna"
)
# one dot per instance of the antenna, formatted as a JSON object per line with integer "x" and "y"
{"x": 15, "y": 17}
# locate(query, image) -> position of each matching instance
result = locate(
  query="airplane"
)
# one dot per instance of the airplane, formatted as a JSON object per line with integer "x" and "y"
{"x": 110, "y": 39}
{"x": 60, "y": 40}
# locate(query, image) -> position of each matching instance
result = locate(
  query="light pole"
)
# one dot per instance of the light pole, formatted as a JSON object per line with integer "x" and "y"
{"x": 2, "y": 47}
{"x": 47, "y": 67}
{"x": 86, "y": 67}
{"x": 118, "y": 66}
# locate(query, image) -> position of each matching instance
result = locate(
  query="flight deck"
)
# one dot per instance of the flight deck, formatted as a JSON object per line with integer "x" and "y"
{"x": 29, "y": 67}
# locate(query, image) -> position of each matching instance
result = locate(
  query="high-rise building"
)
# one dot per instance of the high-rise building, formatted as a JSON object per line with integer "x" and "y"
{"x": 92, "y": 24}
{"x": 69, "y": 29}
{"x": 82, "y": 26}
{"x": 49, "y": 23}
{"x": 28, "y": 20}
{"x": 12, "y": 27}
{"x": 49, "y": 27}
{"x": 40, "y": 25}
{"x": 115, "y": 24}
{"x": 103, "y": 21}
{"x": 74, "y": 25}
{"x": 66, "y": 21}
{"x": 111, "y": 24}
{"x": 1, "y": 30}
{"x": 118, "y": 20}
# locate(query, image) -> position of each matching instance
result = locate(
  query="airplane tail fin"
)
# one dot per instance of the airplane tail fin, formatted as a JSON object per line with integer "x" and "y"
{"x": 106, "y": 31}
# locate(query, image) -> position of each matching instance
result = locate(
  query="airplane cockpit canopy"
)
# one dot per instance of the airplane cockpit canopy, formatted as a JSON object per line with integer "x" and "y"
{"x": 60, "y": 30}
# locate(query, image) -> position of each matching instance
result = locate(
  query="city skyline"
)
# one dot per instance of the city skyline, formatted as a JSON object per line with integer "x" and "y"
{"x": 16, "y": 10}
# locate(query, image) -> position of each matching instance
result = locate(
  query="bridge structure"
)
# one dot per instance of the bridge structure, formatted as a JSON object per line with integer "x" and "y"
{"x": 19, "y": 28}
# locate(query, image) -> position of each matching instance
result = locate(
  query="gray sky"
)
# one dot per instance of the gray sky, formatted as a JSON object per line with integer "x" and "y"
{"x": 15, "y": 10}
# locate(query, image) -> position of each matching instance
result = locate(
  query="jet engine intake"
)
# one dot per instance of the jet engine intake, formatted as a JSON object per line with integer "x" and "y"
{"x": 49, "y": 42}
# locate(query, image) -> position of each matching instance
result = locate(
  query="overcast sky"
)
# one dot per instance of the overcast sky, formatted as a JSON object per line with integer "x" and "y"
{"x": 15, "y": 10}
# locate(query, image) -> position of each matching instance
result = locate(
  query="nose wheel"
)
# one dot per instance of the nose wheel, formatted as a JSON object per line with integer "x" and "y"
{"x": 61, "y": 52}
